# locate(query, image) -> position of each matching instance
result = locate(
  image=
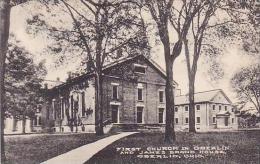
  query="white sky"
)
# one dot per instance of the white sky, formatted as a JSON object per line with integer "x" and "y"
{"x": 232, "y": 60}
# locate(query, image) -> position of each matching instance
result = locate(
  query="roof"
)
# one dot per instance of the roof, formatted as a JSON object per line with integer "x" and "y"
{"x": 223, "y": 113}
{"x": 120, "y": 61}
{"x": 205, "y": 96}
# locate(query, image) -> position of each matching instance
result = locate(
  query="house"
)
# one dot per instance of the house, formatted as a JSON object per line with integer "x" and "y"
{"x": 213, "y": 110}
{"x": 15, "y": 125}
{"x": 133, "y": 97}
{"x": 133, "y": 94}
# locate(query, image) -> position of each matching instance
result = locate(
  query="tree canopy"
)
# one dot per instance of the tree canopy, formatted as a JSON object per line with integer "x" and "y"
{"x": 246, "y": 83}
{"x": 23, "y": 82}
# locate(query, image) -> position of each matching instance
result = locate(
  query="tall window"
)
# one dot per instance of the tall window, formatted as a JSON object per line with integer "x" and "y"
{"x": 214, "y": 119}
{"x": 140, "y": 94}
{"x": 214, "y": 107}
{"x": 225, "y": 108}
{"x": 176, "y": 109}
{"x": 39, "y": 120}
{"x": 176, "y": 120}
{"x": 114, "y": 113}
{"x": 186, "y": 120}
{"x": 161, "y": 93}
{"x": 139, "y": 115}
{"x": 115, "y": 92}
{"x": 198, "y": 107}
{"x": 161, "y": 111}
{"x": 198, "y": 120}
{"x": 186, "y": 108}
{"x": 219, "y": 108}
{"x": 233, "y": 120}
{"x": 83, "y": 105}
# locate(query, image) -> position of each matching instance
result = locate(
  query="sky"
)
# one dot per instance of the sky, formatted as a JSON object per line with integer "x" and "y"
{"x": 232, "y": 60}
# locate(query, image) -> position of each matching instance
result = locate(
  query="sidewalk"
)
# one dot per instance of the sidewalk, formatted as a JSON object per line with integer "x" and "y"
{"x": 84, "y": 153}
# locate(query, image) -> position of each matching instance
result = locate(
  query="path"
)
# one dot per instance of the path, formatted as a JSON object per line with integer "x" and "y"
{"x": 84, "y": 153}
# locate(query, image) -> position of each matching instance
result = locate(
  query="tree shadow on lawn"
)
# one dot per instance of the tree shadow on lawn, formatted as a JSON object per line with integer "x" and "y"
{"x": 244, "y": 147}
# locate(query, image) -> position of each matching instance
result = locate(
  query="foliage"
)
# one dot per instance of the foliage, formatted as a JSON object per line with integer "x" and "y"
{"x": 246, "y": 83}
{"x": 23, "y": 82}
{"x": 97, "y": 31}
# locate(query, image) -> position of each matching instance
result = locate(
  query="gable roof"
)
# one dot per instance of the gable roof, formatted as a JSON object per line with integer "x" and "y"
{"x": 205, "y": 96}
{"x": 115, "y": 63}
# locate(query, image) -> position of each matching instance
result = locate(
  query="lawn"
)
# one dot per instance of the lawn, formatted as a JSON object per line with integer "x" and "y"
{"x": 32, "y": 149}
{"x": 240, "y": 147}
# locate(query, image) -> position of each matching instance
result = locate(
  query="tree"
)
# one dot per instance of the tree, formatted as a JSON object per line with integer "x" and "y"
{"x": 246, "y": 83}
{"x": 203, "y": 22}
{"x": 164, "y": 14}
{"x": 200, "y": 22}
{"x": 5, "y": 8}
{"x": 4, "y": 34}
{"x": 23, "y": 83}
{"x": 101, "y": 30}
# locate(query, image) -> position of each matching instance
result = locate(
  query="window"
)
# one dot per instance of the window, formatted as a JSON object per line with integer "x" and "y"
{"x": 115, "y": 92}
{"x": 140, "y": 94}
{"x": 232, "y": 109}
{"x": 214, "y": 119}
{"x": 114, "y": 113}
{"x": 198, "y": 120}
{"x": 83, "y": 105}
{"x": 219, "y": 108}
{"x": 198, "y": 107}
{"x": 40, "y": 120}
{"x": 139, "y": 69}
{"x": 139, "y": 115}
{"x": 186, "y": 120}
{"x": 225, "y": 108}
{"x": 214, "y": 107}
{"x": 176, "y": 109}
{"x": 233, "y": 120}
{"x": 35, "y": 121}
{"x": 161, "y": 93}
{"x": 176, "y": 120}
{"x": 186, "y": 108}
{"x": 161, "y": 111}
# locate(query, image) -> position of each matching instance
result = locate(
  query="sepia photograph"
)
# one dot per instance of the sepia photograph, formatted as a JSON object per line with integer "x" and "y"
{"x": 130, "y": 81}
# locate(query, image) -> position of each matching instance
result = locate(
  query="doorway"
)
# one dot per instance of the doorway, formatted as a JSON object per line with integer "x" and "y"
{"x": 139, "y": 115}
{"x": 115, "y": 113}
{"x": 226, "y": 121}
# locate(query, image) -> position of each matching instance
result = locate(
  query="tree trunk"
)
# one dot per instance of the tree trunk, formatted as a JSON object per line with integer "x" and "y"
{"x": 169, "y": 127}
{"x": 191, "y": 104}
{"x": 4, "y": 34}
{"x": 99, "y": 110}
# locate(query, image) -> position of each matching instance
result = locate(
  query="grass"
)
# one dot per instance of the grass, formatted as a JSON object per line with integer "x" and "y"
{"x": 244, "y": 148}
{"x": 32, "y": 149}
